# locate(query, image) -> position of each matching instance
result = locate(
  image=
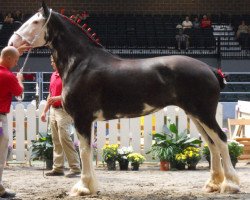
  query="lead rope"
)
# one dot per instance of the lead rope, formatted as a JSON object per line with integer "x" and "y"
{"x": 21, "y": 97}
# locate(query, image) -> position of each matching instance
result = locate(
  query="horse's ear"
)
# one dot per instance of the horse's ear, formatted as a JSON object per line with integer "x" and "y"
{"x": 45, "y": 9}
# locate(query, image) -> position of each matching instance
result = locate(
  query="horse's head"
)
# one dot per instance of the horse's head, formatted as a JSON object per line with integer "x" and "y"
{"x": 33, "y": 31}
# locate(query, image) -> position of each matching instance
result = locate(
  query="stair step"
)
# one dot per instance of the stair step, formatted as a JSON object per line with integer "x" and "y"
{"x": 223, "y": 33}
{"x": 227, "y": 38}
{"x": 231, "y": 48}
{"x": 231, "y": 43}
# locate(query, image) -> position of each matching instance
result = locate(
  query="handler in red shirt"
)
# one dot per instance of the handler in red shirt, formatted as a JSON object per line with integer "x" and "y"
{"x": 60, "y": 123}
{"x": 10, "y": 85}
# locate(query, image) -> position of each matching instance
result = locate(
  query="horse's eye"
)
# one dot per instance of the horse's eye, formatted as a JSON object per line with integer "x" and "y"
{"x": 35, "y": 22}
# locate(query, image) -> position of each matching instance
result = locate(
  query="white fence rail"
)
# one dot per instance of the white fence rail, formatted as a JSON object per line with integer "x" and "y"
{"x": 136, "y": 132}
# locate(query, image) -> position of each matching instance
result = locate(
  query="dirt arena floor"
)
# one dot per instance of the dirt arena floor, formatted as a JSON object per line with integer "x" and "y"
{"x": 147, "y": 184}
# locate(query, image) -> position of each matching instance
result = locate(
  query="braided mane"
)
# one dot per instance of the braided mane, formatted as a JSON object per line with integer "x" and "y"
{"x": 87, "y": 31}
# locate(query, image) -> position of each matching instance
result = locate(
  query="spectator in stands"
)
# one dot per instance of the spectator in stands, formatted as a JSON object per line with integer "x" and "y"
{"x": 60, "y": 123}
{"x": 18, "y": 16}
{"x": 196, "y": 23}
{"x": 8, "y": 18}
{"x": 206, "y": 22}
{"x": 181, "y": 38}
{"x": 187, "y": 23}
{"x": 9, "y": 85}
{"x": 242, "y": 28}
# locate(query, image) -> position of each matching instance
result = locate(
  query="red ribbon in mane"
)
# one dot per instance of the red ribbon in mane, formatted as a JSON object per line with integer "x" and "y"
{"x": 221, "y": 73}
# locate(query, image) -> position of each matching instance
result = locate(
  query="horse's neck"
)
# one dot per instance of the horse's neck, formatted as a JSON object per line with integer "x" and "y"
{"x": 72, "y": 47}
{"x": 68, "y": 49}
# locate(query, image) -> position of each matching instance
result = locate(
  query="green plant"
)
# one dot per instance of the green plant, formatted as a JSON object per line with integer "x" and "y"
{"x": 206, "y": 151}
{"x": 235, "y": 149}
{"x": 110, "y": 152}
{"x": 171, "y": 142}
{"x": 136, "y": 158}
{"x": 42, "y": 148}
{"x": 182, "y": 140}
{"x": 163, "y": 149}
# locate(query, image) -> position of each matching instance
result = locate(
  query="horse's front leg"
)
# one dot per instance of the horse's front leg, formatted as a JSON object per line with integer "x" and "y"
{"x": 88, "y": 183}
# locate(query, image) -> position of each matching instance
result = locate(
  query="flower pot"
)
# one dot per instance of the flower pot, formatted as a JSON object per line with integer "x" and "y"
{"x": 135, "y": 166}
{"x": 123, "y": 163}
{"x": 180, "y": 166}
{"x": 111, "y": 165}
{"x": 192, "y": 166}
{"x": 164, "y": 165}
{"x": 49, "y": 164}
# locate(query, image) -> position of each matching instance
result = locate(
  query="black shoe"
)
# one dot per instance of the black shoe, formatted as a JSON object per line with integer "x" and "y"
{"x": 54, "y": 173}
{"x": 8, "y": 195}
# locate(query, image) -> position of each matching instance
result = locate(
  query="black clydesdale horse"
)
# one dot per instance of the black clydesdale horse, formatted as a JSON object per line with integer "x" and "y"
{"x": 101, "y": 86}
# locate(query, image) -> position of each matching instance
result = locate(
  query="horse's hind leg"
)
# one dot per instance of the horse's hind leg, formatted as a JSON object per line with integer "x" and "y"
{"x": 231, "y": 180}
{"x": 88, "y": 183}
{"x": 217, "y": 174}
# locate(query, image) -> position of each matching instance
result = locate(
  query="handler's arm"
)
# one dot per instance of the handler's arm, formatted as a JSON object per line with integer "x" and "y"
{"x": 46, "y": 108}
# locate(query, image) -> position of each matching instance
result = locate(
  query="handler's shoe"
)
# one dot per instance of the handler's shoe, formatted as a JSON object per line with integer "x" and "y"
{"x": 72, "y": 174}
{"x": 7, "y": 195}
{"x": 54, "y": 173}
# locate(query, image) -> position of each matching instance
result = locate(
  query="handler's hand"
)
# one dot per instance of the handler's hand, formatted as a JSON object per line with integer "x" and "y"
{"x": 52, "y": 100}
{"x": 43, "y": 117}
{"x": 23, "y": 48}
{"x": 19, "y": 77}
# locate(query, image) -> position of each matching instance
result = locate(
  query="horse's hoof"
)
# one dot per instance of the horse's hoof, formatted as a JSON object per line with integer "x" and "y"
{"x": 229, "y": 187}
{"x": 212, "y": 187}
{"x": 79, "y": 189}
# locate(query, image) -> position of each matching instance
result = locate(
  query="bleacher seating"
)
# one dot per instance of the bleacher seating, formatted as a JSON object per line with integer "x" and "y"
{"x": 238, "y": 88}
{"x": 143, "y": 31}
{"x": 124, "y": 31}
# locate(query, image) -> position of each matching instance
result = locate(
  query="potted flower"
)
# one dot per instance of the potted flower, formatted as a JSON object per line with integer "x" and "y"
{"x": 136, "y": 159}
{"x": 180, "y": 160}
{"x": 171, "y": 142}
{"x": 122, "y": 157}
{"x": 42, "y": 148}
{"x": 162, "y": 149}
{"x": 235, "y": 150}
{"x": 193, "y": 156}
{"x": 109, "y": 155}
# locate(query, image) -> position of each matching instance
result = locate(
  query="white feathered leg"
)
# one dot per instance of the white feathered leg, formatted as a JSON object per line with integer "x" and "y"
{"x": 230, "y": 183}
{"x": 88, "y": 183}
{"x": 217, "y": 174}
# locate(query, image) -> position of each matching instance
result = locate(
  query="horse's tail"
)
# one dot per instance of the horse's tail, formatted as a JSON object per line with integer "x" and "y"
{"x": 222, "y": 78}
